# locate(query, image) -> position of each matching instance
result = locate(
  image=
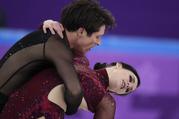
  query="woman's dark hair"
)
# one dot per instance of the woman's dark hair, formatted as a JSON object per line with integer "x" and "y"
{"x": 87, "y": 14}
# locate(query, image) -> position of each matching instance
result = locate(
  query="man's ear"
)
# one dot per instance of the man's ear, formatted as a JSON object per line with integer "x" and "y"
{"x": 80, "y": 31}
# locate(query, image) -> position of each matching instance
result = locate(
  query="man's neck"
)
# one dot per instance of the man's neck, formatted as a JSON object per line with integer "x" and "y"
{"x": 71, "y": 37}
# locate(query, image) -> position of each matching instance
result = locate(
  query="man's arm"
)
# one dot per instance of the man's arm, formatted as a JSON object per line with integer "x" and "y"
{"x": 106, "y": 108}
{"x": 60, "y": 55}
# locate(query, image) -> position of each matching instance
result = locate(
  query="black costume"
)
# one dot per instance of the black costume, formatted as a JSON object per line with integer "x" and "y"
{"x": 33, "y": 53}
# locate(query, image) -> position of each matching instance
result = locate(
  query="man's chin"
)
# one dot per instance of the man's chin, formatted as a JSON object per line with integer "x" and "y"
{"x": 85, "y": 52}
{"x": 82, "y": 52}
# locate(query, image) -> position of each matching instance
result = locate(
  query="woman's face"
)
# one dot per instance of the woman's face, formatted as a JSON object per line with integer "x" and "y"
{"x": 122, "y": 81}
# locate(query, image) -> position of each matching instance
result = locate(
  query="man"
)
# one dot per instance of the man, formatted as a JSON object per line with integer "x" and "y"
{"x": 84, "y": 21}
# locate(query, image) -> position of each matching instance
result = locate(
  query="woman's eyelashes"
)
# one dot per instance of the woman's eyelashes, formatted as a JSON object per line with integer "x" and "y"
{"x": 131, "y": 79}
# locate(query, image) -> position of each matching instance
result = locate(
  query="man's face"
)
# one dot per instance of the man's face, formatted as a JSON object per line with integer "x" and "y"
{"x": 123, "y": 81}
{"x": 85, "y": 43}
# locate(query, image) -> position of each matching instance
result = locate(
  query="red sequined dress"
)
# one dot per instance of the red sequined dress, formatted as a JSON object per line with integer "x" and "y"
{"x": 30, "y": 101}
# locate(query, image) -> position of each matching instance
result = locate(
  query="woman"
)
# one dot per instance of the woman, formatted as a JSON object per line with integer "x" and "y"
{"x": 42, "y": 96}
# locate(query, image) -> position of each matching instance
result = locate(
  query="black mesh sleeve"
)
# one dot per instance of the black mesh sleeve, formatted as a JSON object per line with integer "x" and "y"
{"x": 61, "y": 55}
{"x": 106, "y": 108}
{"x": 3, "y": 100}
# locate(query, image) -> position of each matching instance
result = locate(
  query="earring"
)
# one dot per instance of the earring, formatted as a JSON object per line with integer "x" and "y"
{"x": 118, "y": 65}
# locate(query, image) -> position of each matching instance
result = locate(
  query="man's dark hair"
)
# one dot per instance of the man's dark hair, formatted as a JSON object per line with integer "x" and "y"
{"x": 87, "y": 14}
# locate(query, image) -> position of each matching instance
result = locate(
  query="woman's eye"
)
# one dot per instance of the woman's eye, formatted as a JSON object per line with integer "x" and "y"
{"x": 127, "y": 90}
{"x": 130, "y": 78}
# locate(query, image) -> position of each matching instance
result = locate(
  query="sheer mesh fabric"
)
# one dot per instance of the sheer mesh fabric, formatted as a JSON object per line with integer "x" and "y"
{"x": 19, "y": 62}
{"x": 62, "y": 57}
{"x": 106, "y": 108}
{"x": 33, "y": 53}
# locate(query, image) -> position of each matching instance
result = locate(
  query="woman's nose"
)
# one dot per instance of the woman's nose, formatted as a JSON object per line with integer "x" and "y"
{"x": 128, "y": 84}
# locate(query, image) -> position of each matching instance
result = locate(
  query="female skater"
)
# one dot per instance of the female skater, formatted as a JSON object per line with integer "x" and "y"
{"x": 42, "y": 96}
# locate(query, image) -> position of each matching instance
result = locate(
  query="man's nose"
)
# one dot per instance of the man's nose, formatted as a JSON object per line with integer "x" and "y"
{"x": 98, "y": 42}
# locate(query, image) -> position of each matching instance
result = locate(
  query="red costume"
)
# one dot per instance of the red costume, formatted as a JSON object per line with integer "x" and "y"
{"x": 30, "y": 101}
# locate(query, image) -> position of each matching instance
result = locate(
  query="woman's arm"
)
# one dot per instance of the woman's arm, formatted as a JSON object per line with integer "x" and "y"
{"x": 53, "y": 26}
{"x": 106, "y": 108}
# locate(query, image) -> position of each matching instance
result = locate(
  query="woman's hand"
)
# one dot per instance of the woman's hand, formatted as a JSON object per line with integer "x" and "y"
{"x": 53, "y": 26}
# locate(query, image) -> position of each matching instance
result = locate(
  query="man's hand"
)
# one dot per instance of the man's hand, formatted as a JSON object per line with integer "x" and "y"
{"x": 53, "y": 26}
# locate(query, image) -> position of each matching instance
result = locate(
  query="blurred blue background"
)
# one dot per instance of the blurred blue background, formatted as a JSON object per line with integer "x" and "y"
{"x": 146, "y": 36}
